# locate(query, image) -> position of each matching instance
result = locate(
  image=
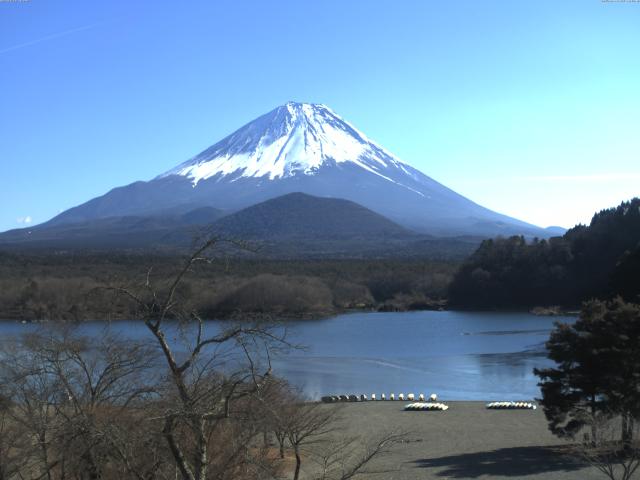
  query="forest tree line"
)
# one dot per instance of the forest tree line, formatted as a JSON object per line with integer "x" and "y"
{"x": 596, "y": 261}
{"x": 73, "y": 286}
{"x": 600, "y": 260}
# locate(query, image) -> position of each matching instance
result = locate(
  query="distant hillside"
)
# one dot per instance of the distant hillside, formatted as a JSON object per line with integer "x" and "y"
{"x": 295, "y": 225}
{"x": 305, "y": 216}
{"x": 298, "y": 225}
{"x": 599, "y": 260}
{"x": 201, "y": 216}
{"x": 128, "y": 232}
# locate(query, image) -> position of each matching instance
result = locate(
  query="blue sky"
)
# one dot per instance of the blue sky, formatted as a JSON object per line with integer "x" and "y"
{"x": 529, "y": 108}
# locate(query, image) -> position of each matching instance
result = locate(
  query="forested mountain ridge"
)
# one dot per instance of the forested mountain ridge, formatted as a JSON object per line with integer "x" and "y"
{"x": 295, "y": 225}
{"x": 598, "y": 260}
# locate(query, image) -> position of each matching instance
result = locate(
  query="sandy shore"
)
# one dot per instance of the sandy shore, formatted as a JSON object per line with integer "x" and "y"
{"x": 467, "y": 441}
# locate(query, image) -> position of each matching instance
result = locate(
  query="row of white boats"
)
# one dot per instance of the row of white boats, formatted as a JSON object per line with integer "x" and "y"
{"x": 426, "y": 406}
{"x": 491, "y": 405}
{"x": 511, "y": 405}
{"x": 363, "y": 398}
{"x": 422, "y": 402}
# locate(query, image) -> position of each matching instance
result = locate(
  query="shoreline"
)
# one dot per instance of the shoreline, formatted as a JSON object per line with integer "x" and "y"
{"x": 313, "y": 316}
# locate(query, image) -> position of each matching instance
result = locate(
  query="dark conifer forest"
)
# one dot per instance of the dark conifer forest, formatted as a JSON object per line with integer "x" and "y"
{"x": 600, "y": 260}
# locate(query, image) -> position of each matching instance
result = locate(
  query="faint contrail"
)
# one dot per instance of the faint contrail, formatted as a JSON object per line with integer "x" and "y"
{"x": 48, "y": 37}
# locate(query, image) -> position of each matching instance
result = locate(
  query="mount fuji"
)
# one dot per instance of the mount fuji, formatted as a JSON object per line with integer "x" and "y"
{"x": 307, "y": 148}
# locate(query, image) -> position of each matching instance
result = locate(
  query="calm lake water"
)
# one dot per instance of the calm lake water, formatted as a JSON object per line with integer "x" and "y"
{"x": 458, "y": 355}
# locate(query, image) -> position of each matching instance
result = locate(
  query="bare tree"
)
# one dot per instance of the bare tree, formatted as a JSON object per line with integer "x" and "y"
{"x": 198, "y": 402}
{"x": 274, "y": 402}
{"x": 103, "y": 379}
{"x": 32, "y": 394}
{"x": 12, "y": 441}
{"x": 307, "y": 425}
{"x": 345, "y": 458}
{"x": 314, "y": 431}
{"x": 616, "y": 457}
{"x": 209, "y": 375}
{"x": 78, "y": 399}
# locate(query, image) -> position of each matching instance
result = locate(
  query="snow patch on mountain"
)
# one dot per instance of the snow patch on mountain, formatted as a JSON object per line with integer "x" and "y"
{"x": 294, "y": 139}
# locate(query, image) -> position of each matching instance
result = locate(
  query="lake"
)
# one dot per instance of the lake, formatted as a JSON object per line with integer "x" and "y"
{"x": 458, "y": 355}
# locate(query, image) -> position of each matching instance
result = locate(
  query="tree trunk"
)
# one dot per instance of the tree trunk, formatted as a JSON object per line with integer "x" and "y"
{"x": 624, "y": 429}
{"x": 594, "y": 427}
{"x": 281, "y": 440}
{"x": 627, "y": 430}
{"x": 296, "y": 474}
{"x": 178, "y": 456}
{"x": 45, "y": 453}
{"x": 93, "y": 472}
{"x": 202, "y": 449}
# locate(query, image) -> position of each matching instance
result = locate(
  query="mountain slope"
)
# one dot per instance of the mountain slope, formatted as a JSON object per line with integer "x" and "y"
{"x": 297, "y": 215}
{"x": 127, "y": 232}
{"x": 292, "y": 226}
{"x": 303, "y": 148}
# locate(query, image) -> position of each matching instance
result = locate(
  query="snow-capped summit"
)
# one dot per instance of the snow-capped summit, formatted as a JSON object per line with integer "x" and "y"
{"x": 293, "y": 139}
{"x": 308, "y": 148}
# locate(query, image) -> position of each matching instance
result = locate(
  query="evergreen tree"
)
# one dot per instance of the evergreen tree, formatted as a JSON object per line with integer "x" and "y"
{"x": 597, "y": 371}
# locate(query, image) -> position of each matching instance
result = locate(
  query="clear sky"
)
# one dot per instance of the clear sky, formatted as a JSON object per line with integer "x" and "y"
{"x": 529, "y": 108}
